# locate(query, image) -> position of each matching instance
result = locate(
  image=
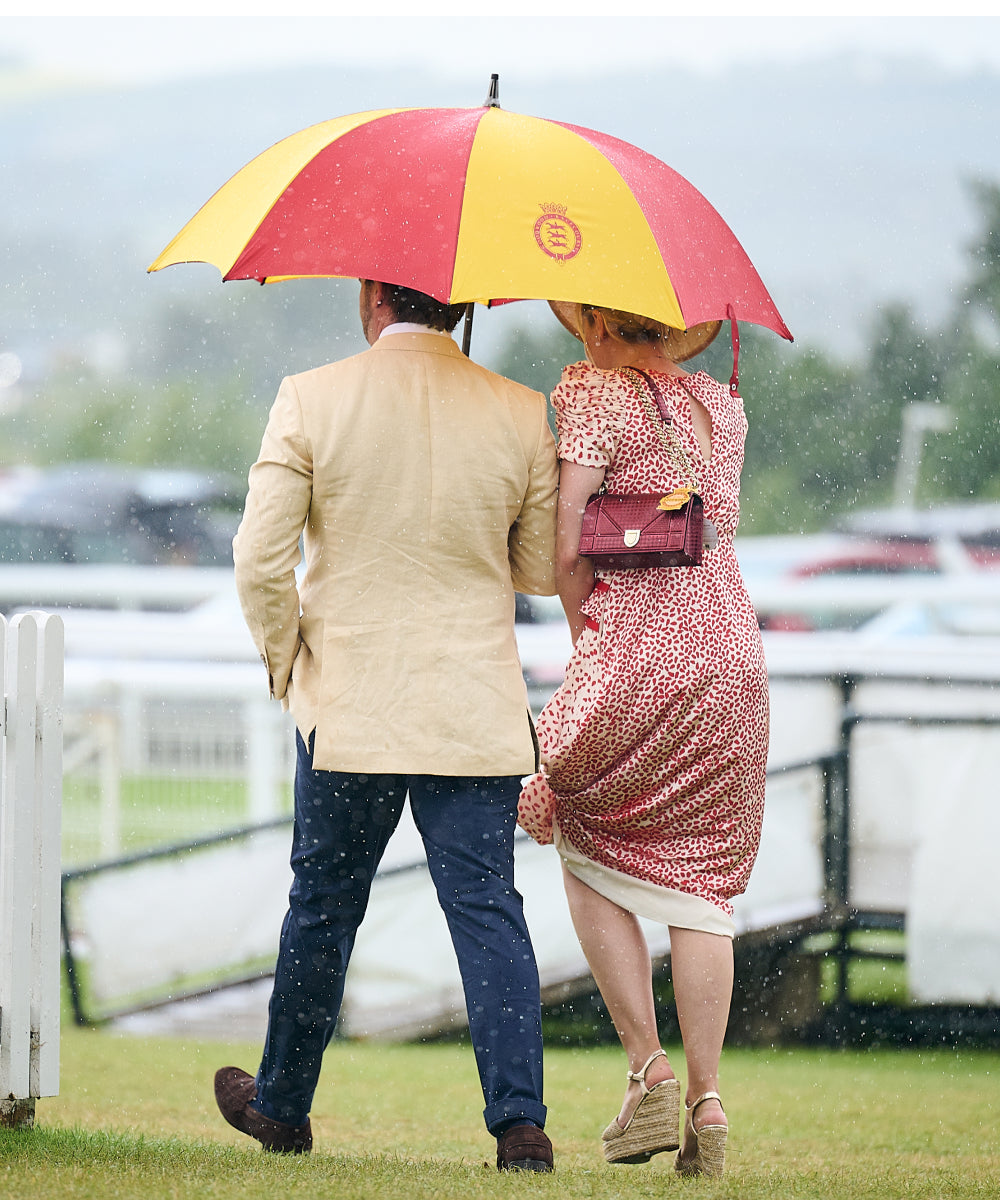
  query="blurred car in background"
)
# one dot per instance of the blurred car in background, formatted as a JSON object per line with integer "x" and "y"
{"x": 103, "y": 514}
{"x": 954, "y": 536}
{"x": 948, "y": 542}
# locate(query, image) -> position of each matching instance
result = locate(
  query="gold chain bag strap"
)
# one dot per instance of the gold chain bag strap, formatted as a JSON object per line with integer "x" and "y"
{"x": 629, "y": 531}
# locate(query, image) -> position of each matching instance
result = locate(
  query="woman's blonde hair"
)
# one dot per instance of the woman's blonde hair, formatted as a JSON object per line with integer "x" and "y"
{"x": 676, "y": 344}
{"x": 630, "y": 327}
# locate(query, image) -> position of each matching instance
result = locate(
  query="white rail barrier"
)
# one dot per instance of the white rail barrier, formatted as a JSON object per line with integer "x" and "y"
{"x": 95, "y": 585}
{"x": 31, "y": 650}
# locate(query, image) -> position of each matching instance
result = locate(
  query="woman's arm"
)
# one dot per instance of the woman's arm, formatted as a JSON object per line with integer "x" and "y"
{"x": 574, "y": 574}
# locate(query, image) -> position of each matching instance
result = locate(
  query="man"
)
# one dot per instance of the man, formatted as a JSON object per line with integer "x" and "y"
{"x": 424, "y": 489}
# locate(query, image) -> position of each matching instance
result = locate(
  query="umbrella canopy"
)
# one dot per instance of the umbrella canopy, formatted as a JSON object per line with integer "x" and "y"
{"x": 479, "y": 205}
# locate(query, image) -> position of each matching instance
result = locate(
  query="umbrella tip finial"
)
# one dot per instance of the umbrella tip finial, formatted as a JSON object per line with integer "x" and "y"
{"x": 493, "y": 99}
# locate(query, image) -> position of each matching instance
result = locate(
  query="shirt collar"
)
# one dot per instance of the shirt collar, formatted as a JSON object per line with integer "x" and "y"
{"x": 412, "y": 327}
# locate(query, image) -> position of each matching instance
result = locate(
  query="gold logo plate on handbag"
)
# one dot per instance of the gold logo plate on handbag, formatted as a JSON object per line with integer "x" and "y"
{"x": 676, "y": 499}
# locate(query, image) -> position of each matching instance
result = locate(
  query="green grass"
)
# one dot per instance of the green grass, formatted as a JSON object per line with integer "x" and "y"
{"x": 154, "y": 811}
{"x": 136, "y": 1118}
{"x": 877, "y": 973}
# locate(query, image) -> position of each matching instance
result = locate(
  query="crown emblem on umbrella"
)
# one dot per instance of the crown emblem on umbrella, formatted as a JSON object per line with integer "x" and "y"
{"x": 556, "y": 234}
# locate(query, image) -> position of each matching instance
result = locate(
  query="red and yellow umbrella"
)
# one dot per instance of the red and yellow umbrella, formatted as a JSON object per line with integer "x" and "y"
{"x": 482, "y": 205}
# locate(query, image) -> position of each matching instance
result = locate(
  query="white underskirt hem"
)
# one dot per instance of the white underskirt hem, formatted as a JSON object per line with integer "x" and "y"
{"x": 668, "y": 906}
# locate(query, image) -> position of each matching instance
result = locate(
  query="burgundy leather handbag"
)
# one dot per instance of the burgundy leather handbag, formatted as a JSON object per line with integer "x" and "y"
{"x": 635, "y": 531}
{"x": 638, "y": 530}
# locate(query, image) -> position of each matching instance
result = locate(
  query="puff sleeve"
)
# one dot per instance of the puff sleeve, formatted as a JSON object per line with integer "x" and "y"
{"x": 589, "y": 416}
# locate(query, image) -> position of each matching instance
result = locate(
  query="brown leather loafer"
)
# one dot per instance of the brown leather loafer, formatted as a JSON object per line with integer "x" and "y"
{"x": 234, "y": 1089}
{"x": 524, "y": 1148}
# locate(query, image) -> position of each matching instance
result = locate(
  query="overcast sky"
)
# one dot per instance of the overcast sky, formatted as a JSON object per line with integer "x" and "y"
{"x": 445, "y": 39}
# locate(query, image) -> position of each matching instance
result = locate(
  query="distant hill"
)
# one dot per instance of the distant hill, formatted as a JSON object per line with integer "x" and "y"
{"x": 844, "y": 180}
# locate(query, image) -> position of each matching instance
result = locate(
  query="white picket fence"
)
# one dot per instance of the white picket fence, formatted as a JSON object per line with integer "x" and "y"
{"x": 31, "y": 651}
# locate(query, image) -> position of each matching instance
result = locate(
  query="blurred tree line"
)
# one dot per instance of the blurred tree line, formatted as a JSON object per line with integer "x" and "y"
{"x": 201, "y": 375}
{"x": 824, "y": 433}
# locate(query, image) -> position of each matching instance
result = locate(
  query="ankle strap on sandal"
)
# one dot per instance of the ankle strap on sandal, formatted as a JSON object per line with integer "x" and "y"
{"x": 640, "y": 1075}
{"x": 689, "y": 1108}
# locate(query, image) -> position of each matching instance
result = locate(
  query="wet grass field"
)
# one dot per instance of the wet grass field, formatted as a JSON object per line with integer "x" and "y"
{"x": 136, "y": 1118}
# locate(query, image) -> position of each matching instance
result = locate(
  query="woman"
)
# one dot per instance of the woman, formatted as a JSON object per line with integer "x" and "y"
{"x": 654, "y": 749}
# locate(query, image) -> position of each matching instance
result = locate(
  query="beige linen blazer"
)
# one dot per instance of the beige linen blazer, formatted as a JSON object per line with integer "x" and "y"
{"x": 423, "y": 489}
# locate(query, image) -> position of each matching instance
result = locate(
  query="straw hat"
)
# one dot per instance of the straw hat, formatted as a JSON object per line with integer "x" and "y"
{"x": 678, "y": 344}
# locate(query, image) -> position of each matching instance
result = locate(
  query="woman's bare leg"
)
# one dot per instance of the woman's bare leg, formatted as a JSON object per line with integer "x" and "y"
{"x": 618, "y": 956}
{"x": 702, "y": 968}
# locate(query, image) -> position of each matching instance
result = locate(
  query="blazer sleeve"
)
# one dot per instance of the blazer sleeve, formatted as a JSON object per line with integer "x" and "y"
{"x": 531, "y": 542}
{"x": 266, "y": 546}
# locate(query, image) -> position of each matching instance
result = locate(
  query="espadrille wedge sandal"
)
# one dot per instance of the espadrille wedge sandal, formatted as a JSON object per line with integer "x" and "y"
{"x": 652, "y": 1128}
{"x": 710, "y": 1157}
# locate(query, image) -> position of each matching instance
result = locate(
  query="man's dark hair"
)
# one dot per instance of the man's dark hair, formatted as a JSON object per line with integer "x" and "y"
{"x": 411, "y": 305}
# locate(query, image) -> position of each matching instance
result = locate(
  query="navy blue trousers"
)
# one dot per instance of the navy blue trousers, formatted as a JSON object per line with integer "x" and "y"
{"x": 342, "y": 825}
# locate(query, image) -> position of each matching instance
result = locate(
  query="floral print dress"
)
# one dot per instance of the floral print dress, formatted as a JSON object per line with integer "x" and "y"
{"x": 654, "y": 749}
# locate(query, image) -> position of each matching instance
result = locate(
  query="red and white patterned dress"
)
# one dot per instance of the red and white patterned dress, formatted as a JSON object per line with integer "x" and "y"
{"x": 654, "y": 749}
